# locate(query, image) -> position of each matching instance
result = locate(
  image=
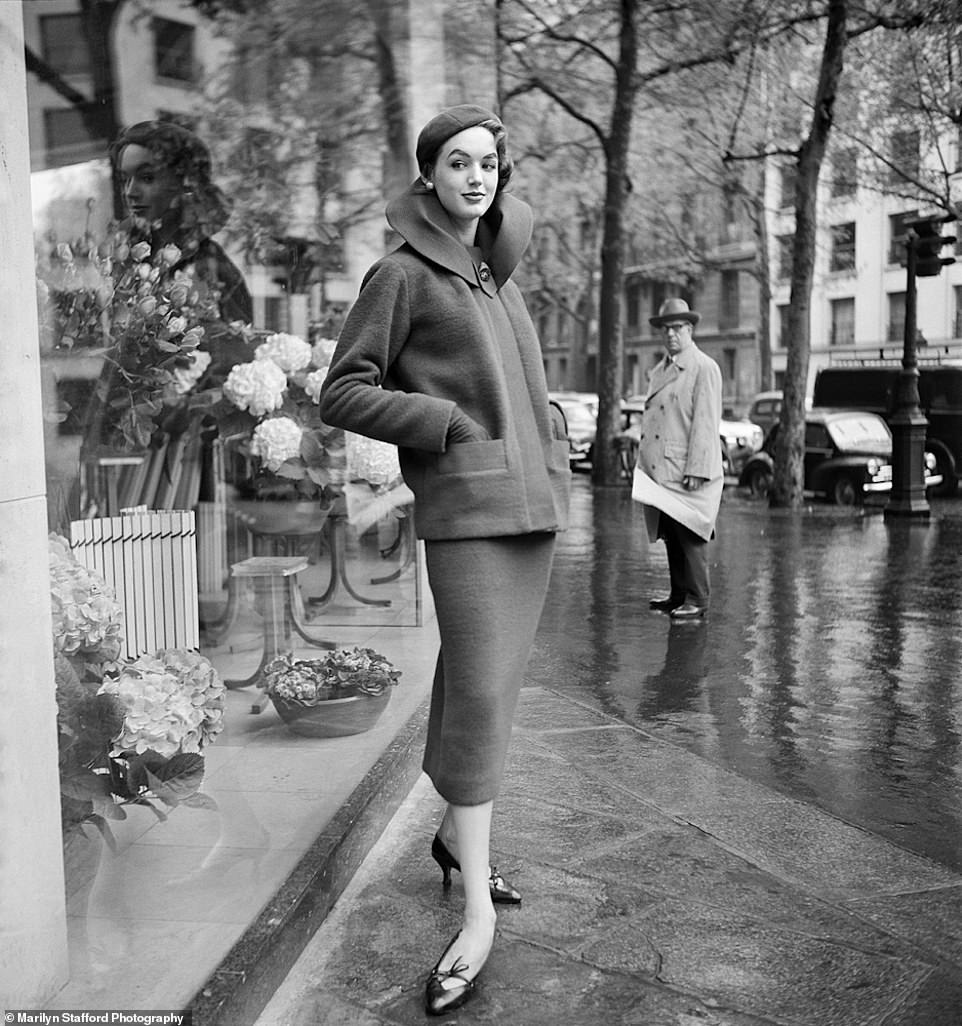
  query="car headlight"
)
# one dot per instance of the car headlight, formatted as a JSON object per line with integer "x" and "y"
{"x": 930, "y": 462}
{"x": 873, "y": 467}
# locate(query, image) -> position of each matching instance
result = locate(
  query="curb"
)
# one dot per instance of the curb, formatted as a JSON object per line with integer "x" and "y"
{"x": 239, "y": 989}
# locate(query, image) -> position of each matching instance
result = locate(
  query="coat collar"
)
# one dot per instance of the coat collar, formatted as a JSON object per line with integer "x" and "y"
{"x": 503, "y": 235}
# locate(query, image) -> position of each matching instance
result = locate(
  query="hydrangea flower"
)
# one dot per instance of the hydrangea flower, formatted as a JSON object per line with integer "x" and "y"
{"x": 172, "y": 701}
{"x": 87, "y": 619}
{"x": 289, "y": 352}
{"x": 276, "y": 440}
{"x": 371, "y": 460}
{"x": 257, "y": 387}
{"x": 322, "y": 352}
{"x": 313, "y": 383}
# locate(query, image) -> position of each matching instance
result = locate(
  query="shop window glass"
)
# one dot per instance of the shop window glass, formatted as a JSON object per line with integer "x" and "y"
{"x": 174, "y": 50}
{"x": 63, "y": 45}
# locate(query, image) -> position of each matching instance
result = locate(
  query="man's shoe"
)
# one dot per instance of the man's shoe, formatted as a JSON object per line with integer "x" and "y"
{"x": 688, "y": 611}
{"x": 666, "y": 604}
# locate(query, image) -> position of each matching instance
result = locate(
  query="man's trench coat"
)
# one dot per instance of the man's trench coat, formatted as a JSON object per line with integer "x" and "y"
{"x": 679, "y": 438}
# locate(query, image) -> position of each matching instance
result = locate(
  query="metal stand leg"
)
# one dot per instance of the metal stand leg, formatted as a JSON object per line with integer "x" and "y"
{"x": 274, "y": 581}
{"x": 335, "y": 527}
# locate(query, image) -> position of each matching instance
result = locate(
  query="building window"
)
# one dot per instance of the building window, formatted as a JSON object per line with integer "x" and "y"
{"x": 787, "y": 177}
{"x": 67, "y": 138}
{"x": 843, "y": 322}
{"x": 957, "y": 324}
{"x": 633, "y": 304}
{"x": 659, "y": 292}
{"x": 843, "y": 247}
{"x": 729, "y": 359}
{"x": 728, "y": 313}
{"x": 784, "y": 268}
{"x": 174, "y": 50}
{"x": 897, "y": 231}
{"x": 781, "y": 342}
{"x": 904, "y": 154}
{"x": 896, "y": 326}
{"x": 63, "y": 45}
{"x": 845, "y": 172}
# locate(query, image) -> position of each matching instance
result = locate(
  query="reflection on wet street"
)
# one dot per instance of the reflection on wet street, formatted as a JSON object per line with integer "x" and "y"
{"x": 830, "y": 667}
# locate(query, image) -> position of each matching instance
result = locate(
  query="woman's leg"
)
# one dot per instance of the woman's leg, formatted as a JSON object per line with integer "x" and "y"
{"x": 470, "y": 826}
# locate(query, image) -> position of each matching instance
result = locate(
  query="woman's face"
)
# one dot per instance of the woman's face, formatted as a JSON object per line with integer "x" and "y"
{"x": 149, "y": 187}
{"x": 465, "y": 178}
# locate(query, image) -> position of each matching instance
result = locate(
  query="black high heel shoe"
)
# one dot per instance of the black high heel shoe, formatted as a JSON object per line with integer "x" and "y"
{"x": 438, "y": 998}
{"x": 502, "y": 893}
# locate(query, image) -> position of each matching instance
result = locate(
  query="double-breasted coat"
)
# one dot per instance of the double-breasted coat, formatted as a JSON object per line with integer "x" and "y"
{"x": 679, "y": 438}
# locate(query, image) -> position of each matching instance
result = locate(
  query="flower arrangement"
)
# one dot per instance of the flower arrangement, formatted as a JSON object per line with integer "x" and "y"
{"x": 269, "y": 412}
{"x": 130, "y": 732}
{"x": 340, "y": 674}
{"x": 142, "y": 313}
{"x": 87, "y": 620}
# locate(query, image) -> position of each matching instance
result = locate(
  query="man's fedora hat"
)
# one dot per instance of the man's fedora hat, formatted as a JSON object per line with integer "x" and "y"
{"x": 674, "y": 310}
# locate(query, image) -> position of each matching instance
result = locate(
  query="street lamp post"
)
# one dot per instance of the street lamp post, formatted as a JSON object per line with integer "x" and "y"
{"x": 908, "y": 424}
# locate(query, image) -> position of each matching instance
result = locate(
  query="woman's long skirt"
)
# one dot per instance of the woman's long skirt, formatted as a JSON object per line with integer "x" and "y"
{"x": 488, "y": 595}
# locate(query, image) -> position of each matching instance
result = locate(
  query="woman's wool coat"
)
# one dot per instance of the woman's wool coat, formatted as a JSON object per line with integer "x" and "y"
{"x": 432, "y": 332}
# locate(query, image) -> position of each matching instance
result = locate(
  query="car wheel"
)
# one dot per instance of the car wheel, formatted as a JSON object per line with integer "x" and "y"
{"x": 944, "y": 465}
{"x": 759, "y": 482}
{"x": 846, "y": 491}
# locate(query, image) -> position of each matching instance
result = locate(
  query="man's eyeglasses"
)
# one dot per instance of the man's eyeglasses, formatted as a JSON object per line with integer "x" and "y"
{"x": 676, "y": 329}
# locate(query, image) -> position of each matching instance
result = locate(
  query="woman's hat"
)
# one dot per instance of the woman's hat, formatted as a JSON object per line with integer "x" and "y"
{"x": 449, "y": 122}
{"x": 674, "y": 310}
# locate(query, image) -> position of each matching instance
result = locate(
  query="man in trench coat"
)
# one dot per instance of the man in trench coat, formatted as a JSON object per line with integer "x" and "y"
{"x": 679, "y": 476}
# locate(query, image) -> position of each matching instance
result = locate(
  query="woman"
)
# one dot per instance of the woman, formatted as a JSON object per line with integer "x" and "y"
{"x": 171, "y": 200}
{"x": 165, "y": 172}
{"x": 439, "y": 357}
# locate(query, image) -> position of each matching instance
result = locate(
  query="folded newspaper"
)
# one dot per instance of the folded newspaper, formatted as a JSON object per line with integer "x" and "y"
{"x": 677, "y": 504}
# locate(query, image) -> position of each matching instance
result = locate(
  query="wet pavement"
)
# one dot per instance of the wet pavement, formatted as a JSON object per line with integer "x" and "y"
{"x": 830, "y": 670}
{"x": 750, "y": 820}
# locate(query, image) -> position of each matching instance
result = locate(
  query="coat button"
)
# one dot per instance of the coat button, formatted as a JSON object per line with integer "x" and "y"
{"x": 483, "y": 273}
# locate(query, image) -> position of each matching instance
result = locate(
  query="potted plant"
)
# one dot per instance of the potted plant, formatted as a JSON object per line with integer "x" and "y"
{"x": 130, "y": 731}
{"x": 342, "y": 693}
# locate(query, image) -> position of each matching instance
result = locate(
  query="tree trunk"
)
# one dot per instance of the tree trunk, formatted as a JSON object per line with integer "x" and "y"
{"x": 790, "y": 446}
{"x": 391, "y": 90}
{"x": 606, "y": 466}
{"x": 763, "y": 275}
{"x": 100, "y": 115}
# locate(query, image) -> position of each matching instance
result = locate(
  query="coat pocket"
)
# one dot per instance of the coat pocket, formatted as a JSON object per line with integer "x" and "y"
{"x": 473, "y": 457}
{"x": 676, "y": 452}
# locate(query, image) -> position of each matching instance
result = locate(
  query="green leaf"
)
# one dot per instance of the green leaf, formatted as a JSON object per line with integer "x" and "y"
{"x": 86, "y": 786}
{"x": 312, "y": 451}
{"x": 291, "y": 470}
{"x": 178, "y": 780}
{"x": 200, "y": 801}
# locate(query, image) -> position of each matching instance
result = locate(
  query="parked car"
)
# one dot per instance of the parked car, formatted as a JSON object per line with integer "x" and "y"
{"x": 581, "y": 413}
{"x": 765, "y": 409}
{"x": 875, "y": 388}
{"x": 739, "y": 438}
{"x": 847, "y": 456}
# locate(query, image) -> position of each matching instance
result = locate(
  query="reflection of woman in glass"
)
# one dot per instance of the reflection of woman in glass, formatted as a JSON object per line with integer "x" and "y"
{"x": 173, "y": 209}
{"x": 165, "y": 170}
{"x": 439, "y": 357}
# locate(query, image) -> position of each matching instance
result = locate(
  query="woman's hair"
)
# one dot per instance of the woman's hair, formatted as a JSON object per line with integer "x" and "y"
{"x": 505, "y": 164}
{"x": 204, "y": 208}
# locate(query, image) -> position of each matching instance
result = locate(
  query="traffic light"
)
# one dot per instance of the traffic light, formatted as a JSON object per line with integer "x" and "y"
{"x": 925, "y": 239}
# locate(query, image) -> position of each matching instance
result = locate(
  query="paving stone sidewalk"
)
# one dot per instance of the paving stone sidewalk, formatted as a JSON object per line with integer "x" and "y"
{"x": 660, "y": 890}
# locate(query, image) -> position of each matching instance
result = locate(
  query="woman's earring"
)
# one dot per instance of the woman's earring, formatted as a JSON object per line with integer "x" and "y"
{"x": 429, "y": 185}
